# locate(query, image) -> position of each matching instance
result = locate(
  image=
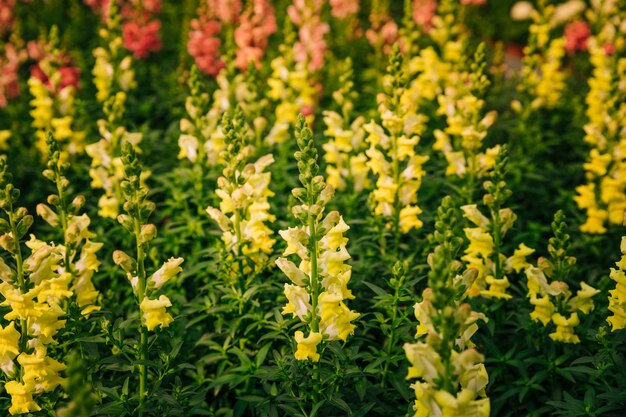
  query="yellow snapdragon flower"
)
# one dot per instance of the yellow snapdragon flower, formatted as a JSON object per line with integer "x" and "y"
{"x": 154, "y": 312}
{"x": 617, "y": 296}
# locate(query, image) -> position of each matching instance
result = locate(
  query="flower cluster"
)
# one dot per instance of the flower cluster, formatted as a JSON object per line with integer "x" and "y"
{"x": 343, "y": 9}
{"x": 383, "y": 32}
{"x": 53, "y": 84}
{"x": 243, "y": 191}
{"x": 548, "y": 290}
{"x": 311, "y": 46}
{"x": 140, "y": 29}
{"x": 484, "y": 252}
{"x": 346, "y": 162}
{"x": 33, "y": 292}
{"x": 617, "y": 296}
{"x": 291, "y": 89}
{"x": 216, "y": 22}
{"x": 319, "y": 286}
{"x": 451, "y": 376}
{"x": 392, "y": 155}
{"x": 78, "y": 251}
{"x": 256, "y": 25}
{"x": 543, "y": 80}
{"x": 114, "y": 77}
{"x": 204, "y": 45}
{"x": 202, "y": 138}
{"x": 462, "y": 140}
{"x": 603, "y": 197}
{"x": 10, "y": 59}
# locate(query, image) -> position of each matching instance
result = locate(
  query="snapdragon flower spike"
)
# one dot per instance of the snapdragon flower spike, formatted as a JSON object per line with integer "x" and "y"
{"x": 461, "y": 102}
{"x": 451, "y": 378}
{"x": 243, "y": 190}
{"x": 290, "y": 89}
{"x": 617, "y": 296}
{"x": 113, "y": 77}
{"x": 33, "y": 290}
{"x": 53, "y": 84}
{"x": 549, "y": 292}
{"x": 484, "y": 252}
{"x": 543, "y": 79}
{"x": 79, "y": 252}
{"x": 346, "y": 161}
{"x": 603, "y": 196}
{"x": 138, "y": 209}
{"x": 393, "y": 157}
{"x": 319, "y": 283}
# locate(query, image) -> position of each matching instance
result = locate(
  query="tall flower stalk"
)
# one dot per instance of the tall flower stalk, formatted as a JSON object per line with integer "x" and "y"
{"x": 393, "y": 157}
{"x": 451, "y": 376}
{"x": 243, "y": 190}
{"x": 319, "y": 285}
{"x": 79, "y": 252}
{"x": 549, "y": 292}
{"x": 33, "y": 289}
{"x": 145, "y": 288}
{"x": 485, "y": 252}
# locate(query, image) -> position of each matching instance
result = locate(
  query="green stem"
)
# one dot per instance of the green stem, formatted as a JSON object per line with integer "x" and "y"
{"x": 19, "y": 269}
{"x": 315, "y": 290}
{"x": 392, "y": 336}
{"x": 143, "y": 335}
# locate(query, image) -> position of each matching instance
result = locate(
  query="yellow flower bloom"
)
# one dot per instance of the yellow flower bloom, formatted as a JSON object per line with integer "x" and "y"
{"x": 565, "y": 328}
{"x": 154, "y": 312}
{"x": 169, "y": 270}
{"x": 518, "y": 262}
{"x": 307, "y": 346}
{"x": 21, "y": 398}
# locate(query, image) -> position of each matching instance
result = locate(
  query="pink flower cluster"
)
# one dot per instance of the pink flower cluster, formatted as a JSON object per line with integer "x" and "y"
{"x": 311, "y": 46}
{"x": 70, "y": 73}
{"x": 383, "y": 33}
{"x": 342, "y": 9}
{"x": 204, "y": 37}
{"x": 251, "y": 37}
{"x": 204, "y": 45}
{"x": 576, "y": 35}
{"x": 226, "y": 11}
{"x": 6, "y": 16}
{"x": 424, "y": 12}
{"x": 140, "y": 31}
{"x": 9, "y": 67}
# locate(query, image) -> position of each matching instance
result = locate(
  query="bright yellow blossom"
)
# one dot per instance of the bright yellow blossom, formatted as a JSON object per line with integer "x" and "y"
{"x": 154, "y": 312}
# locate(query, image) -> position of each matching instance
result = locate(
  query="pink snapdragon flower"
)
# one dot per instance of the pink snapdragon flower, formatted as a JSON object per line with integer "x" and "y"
{"x": 424, "y": 12}
{"x": 473, "y": 2}
{"x": 576, "y": 35}
{"x": 142, "y": 39}
{"x": 9, "y": 77}
{"x": 6, "y": 16}
{"x": 227, "y": 11}
{"x": 341, "y": 9}
{"x": 252, "y": 34}
{"x": 311, "y": 46}
{"x": 204, "y": 45}
{"x": 383, "y": 33}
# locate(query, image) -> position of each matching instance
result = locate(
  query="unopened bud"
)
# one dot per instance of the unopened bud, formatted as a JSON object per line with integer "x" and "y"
{"x": 46, "y": 213}
{"x": 148, "y": 232}
{"x": 124, "y": 261}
